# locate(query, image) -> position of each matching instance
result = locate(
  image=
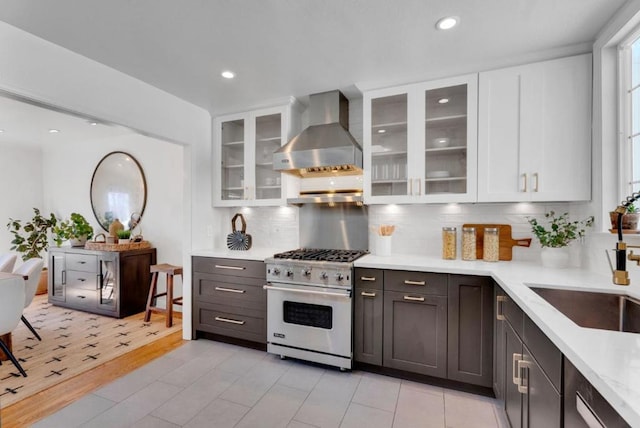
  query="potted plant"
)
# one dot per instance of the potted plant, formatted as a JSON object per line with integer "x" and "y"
{"x": 77, "y": 230}
{"x": 556, "y": 236}
{"x": 629, "y": 219}
{"x": 123, "y": 236}
{"x": 31, "y": 239}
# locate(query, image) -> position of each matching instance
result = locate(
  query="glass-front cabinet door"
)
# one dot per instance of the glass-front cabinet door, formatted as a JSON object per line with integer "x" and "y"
{"x": 269, "y": 132}
{"x": 420, "y": 142}
{"x": 232, "y": 159}
{"x": 108, "y": 286}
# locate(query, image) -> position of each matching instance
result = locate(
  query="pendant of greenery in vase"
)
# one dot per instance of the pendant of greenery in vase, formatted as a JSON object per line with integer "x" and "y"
{"x": 555, "y": 237}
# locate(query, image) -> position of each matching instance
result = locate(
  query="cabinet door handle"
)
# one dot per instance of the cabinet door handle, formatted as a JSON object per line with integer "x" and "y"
{"x": 414, "y": 299}
{"x": 524, "y": 182}
{"x": 499, "y": 307}
{"x": 365, "y": 294}
{"x": 419, "y": 181}
{"x": 523, "y": 374}
{"x": 411, "y": 186}
{"x": 230, "y": 290}
{"x": 535, "y": 181}
{"x": 230, "y": 267}
{"x": 367, "y": 278}
{"x": 409, "y": 282}
{"x": 230, "y": 321}
{"x": 514, "y": 369}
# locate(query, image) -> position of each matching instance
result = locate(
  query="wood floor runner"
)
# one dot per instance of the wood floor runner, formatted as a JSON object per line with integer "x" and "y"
{"x": 73, "y": 342}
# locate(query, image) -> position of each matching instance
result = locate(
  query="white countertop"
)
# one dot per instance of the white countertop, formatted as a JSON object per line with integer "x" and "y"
{"x": 609, "y": 360}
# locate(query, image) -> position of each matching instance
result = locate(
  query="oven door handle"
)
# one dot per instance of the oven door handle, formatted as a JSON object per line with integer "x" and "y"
{"x": 296, "y": 290}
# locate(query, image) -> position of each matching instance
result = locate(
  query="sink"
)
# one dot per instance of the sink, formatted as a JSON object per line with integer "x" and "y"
{"x": 603, "y": 311}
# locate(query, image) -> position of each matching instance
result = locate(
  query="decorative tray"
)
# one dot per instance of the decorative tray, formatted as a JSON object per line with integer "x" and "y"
{"x": 103, "y": 246}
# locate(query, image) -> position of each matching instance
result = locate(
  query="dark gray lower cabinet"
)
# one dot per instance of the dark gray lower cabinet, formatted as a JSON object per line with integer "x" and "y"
{"x": 528, "y": 369}
{"x": 415, "y": 333}
{"x": 368, "y": 309}
{"x": 470, "y": 325}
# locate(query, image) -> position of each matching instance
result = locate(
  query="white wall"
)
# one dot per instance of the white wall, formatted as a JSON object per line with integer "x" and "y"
{"x": 21, "y": 189}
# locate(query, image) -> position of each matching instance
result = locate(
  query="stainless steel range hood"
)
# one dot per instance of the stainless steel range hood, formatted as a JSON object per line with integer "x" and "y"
{"x": 325, "y": 148}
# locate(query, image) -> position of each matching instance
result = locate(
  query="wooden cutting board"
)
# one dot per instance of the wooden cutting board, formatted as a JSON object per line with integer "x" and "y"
{"x": 506, "y": 241}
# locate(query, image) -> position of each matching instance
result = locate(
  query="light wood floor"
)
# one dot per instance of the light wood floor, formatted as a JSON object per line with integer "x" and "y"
{"x": 44, "y": 403}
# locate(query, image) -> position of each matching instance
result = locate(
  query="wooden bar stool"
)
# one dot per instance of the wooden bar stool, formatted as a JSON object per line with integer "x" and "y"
{"x": 170, "y": 270}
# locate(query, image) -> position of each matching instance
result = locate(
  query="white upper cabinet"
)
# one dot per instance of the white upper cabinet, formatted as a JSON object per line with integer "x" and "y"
{"x": 244, "y": 144}
{"x": 420, "y": 142}
{"x": 534, "y": 132}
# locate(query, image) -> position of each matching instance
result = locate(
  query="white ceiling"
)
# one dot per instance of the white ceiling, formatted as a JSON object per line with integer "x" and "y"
{"x": 280, "y": 48}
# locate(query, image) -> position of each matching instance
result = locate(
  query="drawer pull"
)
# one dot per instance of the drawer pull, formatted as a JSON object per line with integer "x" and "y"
{"x": 365, "y": 294}
{"x": 408, "y": 282}
{"x": 230, "y": 321}
{"x": 414, "y": 299}
{"x": 81, "y": 262}
{"x": 514, "y": 370}
{"x": 368, "y": 278}
{"x": 500, "y": 308}
{"x": 523, "y": 373}
{"x": 230, "y": 267}
{"x": 81, "y": 279}
{"x": 81, "y": 297}
{"x": 230, "y": 290}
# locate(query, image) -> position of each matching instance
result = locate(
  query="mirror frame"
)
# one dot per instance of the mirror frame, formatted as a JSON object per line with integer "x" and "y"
{"x": 144, "y": 184}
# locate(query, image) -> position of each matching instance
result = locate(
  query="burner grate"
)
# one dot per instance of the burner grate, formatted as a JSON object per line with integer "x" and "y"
{"x": 322, "y": 255}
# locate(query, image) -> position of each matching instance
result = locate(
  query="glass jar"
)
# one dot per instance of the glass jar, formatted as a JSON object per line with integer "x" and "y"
{"x": 468, "y": 243}
{"x": 491, "y": 244}
{"x": 449, "y": 239}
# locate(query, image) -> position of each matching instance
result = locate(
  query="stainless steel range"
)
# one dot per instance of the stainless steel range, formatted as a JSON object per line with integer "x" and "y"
{"x": 309, "y": 305}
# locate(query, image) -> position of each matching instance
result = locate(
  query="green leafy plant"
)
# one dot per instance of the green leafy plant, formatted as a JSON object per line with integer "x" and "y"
{"x": 560, "y": 231}
{"x": 632, "y": 209}
{"x": 76, "y": 227}
{"x": 32, "y": 237}
{"x": 124, "y": 234}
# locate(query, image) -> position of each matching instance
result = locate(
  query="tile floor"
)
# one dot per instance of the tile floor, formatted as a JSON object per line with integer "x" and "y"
{"x": 212, "y": 384}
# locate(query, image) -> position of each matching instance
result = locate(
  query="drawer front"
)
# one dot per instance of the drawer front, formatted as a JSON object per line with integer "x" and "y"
{"x": 243, "y": 292}
{"x": 241, "y": 323}
{"x": 230, "y": 267}
{"x": 544, "y": 352}
{"x": 82, "y": 262}
{"x": 415, "y": 282}
{"x": 81, "y": 298}
{"x": 81, "y": 280}
{"x": 513, "y": 314}
{"x": 369, "y": 278}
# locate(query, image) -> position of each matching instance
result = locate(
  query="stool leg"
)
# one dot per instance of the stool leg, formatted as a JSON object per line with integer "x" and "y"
{"x": 152, "y": 293}
{"x": 169, "y": 300}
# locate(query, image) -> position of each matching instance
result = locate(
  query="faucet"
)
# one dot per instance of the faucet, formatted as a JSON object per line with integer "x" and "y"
{"x": 620, "y": 274}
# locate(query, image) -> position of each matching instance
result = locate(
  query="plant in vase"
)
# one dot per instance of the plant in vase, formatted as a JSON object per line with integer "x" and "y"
{"x": 76, "y": 230}
{"x": 123, "y": 236}
{"x": 32, "y": 238}
{"x": 556, "y": 236}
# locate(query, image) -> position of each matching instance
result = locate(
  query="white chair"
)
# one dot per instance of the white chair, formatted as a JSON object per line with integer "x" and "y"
{"x": 11, "y": 307}
{"x": 32, "y": 269}
{"x": 7, "y": 261}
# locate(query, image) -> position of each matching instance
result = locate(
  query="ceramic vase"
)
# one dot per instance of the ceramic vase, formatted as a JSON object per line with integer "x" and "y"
{"x": 557, "y": 258}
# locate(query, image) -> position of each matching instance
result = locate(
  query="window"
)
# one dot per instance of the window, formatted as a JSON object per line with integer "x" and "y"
{"x": 630, "y": 114}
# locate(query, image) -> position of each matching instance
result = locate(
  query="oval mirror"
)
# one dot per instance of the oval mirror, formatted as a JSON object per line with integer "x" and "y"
{"x": 118, "y": 190}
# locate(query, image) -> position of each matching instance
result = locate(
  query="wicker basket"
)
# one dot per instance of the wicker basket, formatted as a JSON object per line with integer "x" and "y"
{"x": 103, "y": 246}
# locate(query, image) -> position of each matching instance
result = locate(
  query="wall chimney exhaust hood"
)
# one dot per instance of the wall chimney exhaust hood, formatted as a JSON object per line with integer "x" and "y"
{"x": 325, "y": 148}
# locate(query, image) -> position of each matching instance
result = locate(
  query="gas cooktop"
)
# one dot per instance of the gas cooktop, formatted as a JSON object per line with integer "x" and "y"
{"x": 321, "y": 255}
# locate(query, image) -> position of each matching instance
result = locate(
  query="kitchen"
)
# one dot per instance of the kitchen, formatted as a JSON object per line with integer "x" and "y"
{"x": 417, "y": 224}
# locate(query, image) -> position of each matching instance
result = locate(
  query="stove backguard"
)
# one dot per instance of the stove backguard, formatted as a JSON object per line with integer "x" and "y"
{"x": 340, "y": 227}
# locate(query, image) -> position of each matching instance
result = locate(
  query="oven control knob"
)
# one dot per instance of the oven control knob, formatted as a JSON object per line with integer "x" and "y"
{"x": 339, "y": 276}
{"x": 289, "y": 273}
{"x": 306, "y": 272}
{"x": 276, "y": 271}
{"x": 324, "y": 275}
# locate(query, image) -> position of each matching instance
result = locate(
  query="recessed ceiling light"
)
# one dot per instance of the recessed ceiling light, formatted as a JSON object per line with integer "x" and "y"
{"x": 443, "y": 100}
{"x": 54, "y": 131}
{"x": 1, "y": 131}
{"x": 381, "y": 131}
{"x": 228, "y": 74}
{"x": 447, "y": 22}
{"x": 93, "y": 123}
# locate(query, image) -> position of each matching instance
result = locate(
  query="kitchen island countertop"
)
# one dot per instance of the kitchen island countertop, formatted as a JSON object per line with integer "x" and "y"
{"x": 609, "y": 360}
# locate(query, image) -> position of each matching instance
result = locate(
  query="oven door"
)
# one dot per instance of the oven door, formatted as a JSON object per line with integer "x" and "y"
{"x": 309, "y": 318}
